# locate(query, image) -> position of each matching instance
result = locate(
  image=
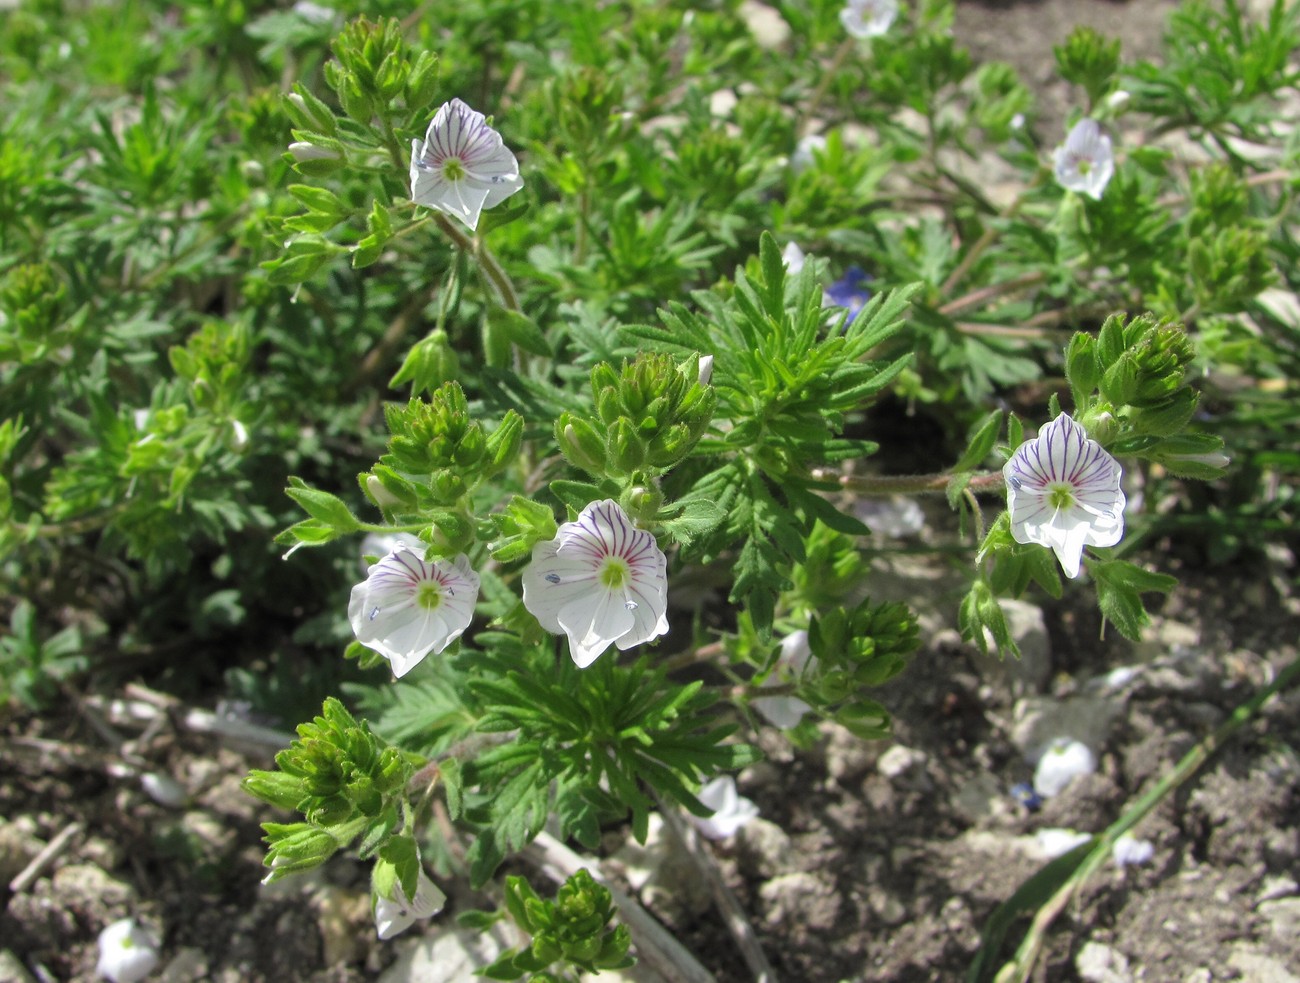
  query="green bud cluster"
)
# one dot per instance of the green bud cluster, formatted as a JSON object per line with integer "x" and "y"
{"x": 213, "y": 362}
{"x": 1090, "y": 60}
{"x": 1131, "y": 393}
{"x": 374, "y": 68}
{"x": 1229, "y": 269}
{"x": 648, "y": 417}
{"x": 440, "y": 439}
{"x": 1219, "y": 199}
{"x": 865, "y": 646}
{"x": 342, "y": 778}
{"x": 31, "y": 310}
{"x": 572, "y": 928}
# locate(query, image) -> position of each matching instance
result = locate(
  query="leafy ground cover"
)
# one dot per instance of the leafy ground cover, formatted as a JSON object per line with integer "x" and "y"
{"x": 194, "y": 317}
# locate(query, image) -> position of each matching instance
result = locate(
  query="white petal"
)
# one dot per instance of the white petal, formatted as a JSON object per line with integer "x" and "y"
{"x": 781, "y": 711}
{"x": 1085, "y": 143}
{"x": 593, "y": 622}
{"x": 731, "y": 811}
{"x": 395, "y": 915}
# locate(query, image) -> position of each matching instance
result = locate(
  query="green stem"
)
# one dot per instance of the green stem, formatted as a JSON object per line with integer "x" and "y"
{"x": 920, "y": 484}
{"x": 1020, "y": 968}
{"x": 491, "y": 267}
{"x": 814, "y": 101}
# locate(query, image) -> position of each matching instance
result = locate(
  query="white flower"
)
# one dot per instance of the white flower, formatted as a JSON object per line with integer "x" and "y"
{"x": 127, "y": 952}
{"x": 462, "y": 167}
{"x": 408, "y": 607}
{"x": 1131, "y": 851}
{"x": 787, "y": 711}
{"x": 395, "y": 915}
{"x": 1062, "y": 762}
{"x": 731, "y": 810}
{"x": 1054, "y": 842}
{"x": 793, "y": 258}
{"x": 1085, "y": 163}
{"x": 868, "y": 18}
{"x": 805, "y": 152}
{"x": 601, "y": 580}
{"x": 1063, "y": 492}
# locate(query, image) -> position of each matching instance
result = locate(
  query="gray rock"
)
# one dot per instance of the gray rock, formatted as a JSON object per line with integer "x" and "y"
{"x": 1039, "y": 719}
{"x": 19, "y": 845}
{"x": 1259, "y": 967}
{"x": 767, "y": 848}
{"x": 86, "y": 889}
{"x": 1283, "y": 916}
{"x": 1029, "y": 673}
{"x": 1097, "y": 963}
{"x": 12, "y": 970}
{"x": 810, "y": 901}
{"x": 448, "y": 955}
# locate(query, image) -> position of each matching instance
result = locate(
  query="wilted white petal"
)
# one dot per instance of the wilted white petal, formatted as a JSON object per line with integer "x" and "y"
{"x": 164, "y": 789}
{"x": 601, "y": 581}
{"x": 1055, "y": 842}
{"x": 1063, "y": 492}
{"x": 1085, "y": 163}
{"x": 462, "y": 166}
{"x": 793, "y": 258}
{"x": 731, "y": 810}
{"x": 395, "y": 915}
{"x": 786, "y": 711}
{"x": 127, "y": 952}
{"x": 805, "y": 155}
{"x": 868, "y": 18}
{"x": 1129, "y": 851}
{"x": 1062, "y": 762}
{"x": 408, "y": 607}
{"x": 706, "y": 369}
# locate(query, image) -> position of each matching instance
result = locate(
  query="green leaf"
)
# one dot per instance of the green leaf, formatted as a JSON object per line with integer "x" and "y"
{"x": 1120, "y": 586}
{"x": 981, "y": 443}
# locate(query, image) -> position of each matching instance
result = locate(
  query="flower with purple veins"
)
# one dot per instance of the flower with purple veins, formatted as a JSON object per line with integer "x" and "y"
{"x": 848, "y": 292}
{"x": 462, "y": 167}
{"x": 601, "y": 581}
{"x": 408, "y": 607}
{"x": 1063, "y": 492}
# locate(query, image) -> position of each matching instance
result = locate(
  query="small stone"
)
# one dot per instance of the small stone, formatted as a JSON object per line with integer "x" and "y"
{"x": 90, "y": 891}
{"x": 452, "y": 955}
{"x": 767, "y": 848}
{"x": 1029, "y": 673}
{"x": 899, "y": 761}
{"x": 1277, "y": 886}
{"x": 848, "y": 757}
{"x": 767, "y": 25}
{"x": 12, "y": 970}
{"x": 19, "y": 845}
{"x": 1062, "y": 762}
{"x": 338, "y": 913}
{"x": 1259, "y": 967}
{"x": 189, "y": 965}
{"x": 1097, "y": 963}
{"x": 1283, "y": 916}
{"x": 805, "y": 899}
{"x": 1086, "y": 718}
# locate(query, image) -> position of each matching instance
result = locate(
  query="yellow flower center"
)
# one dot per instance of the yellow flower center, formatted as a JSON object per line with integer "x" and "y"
{"x": 453, "y": 169}
{"x": 429, "y": 596}
{"x": 1060, "y": 495}
{"x": 615, "y": 573}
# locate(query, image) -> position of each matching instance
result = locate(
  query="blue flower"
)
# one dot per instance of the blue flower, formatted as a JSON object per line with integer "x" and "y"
{"x": 848, "y": 292}
{"x": 1024, "y": 793}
